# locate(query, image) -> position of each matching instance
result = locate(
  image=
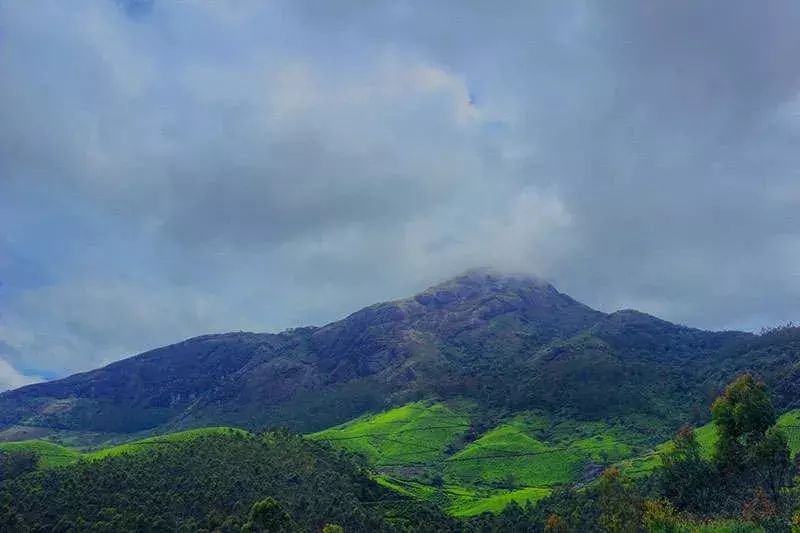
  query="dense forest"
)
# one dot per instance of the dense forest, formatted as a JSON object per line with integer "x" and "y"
{"x": 216, "y": 482}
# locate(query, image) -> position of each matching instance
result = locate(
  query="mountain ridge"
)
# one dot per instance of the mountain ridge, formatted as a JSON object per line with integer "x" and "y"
{"x": 507, "y": 342}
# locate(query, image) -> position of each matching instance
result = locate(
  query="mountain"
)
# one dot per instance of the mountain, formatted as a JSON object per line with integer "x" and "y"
{"x": 504, "y": 342}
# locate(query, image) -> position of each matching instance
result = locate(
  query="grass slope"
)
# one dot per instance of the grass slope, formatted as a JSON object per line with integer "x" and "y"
{"x": 706, "y": 436}
{"x": 414, "y": 449}
{"x": 163, "y": 440}
{"x": 509, "y": 452}
{"x": 790, "y": 422}
{"x": 415, "y": 434}
{"x": 463, "y": 501}
{"x": 498, "y": 502}
{"x": 532, "y": 452}
{"x": 53, "y": 455}
{"x": 50, "y": 454}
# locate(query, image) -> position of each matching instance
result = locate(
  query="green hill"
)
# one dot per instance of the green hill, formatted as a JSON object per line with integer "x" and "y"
{"x": 415, "y": 434}
{"x": 419, "y": 450}
{"x": 206, "y": 480}
{"x": 424, "y": 450}
{"x": 509, "y": 453}
{"x": 50, "y": 454}
{"x": 146, "y": 445}
{"x": 707, "y": 437}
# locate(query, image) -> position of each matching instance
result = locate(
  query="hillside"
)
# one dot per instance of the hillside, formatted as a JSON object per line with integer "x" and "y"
{"x": 421, "y": 450}
{"x": 435, "y": 452}
{"x": 505, "y": 344}
{"x": 202, "y": 481}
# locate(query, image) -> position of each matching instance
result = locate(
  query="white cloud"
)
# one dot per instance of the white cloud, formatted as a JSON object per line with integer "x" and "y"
{"x": 11, "y": 379}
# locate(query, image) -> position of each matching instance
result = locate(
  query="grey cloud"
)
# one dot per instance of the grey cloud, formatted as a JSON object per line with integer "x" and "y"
{"x": 319, "y": 157}
{"x": 659, "y": 124}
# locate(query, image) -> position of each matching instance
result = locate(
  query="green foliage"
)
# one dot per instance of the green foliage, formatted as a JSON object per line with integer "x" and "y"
{"x": 659, "y": 516}
{"x": 146, "y": 445}
{"x": 498, "y": 502}
{"x": 267, "y": 516}
{"x": 619, "y": 509}
{"x": 422, "y": 445}
{"x": 416, "y": 433}
{"x": 751, "y": 451}
{"x": 509, "y": 450}
{"x": 686, "y": 477}
{"x": 332, "y": 528}
{"x": 707, "y": 437}
{"x": 748, "y": 472}
{"x": 49, "y": 454}
{"x": 17, "y": 462}
{"x": 743, "y": 413}
{"x": 10, "y": 520}
{"x": 790, "y": 423}
{"x": 202, "y": 483}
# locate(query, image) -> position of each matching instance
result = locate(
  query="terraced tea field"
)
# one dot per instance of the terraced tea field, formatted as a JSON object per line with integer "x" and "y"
{"x": 419, "y": 450}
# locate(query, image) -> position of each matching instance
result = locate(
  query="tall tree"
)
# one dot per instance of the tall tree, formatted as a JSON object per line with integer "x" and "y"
{"x": 267, "y": 516}
{"x": 751, "y": 451}
{"x": 743, "y": 414}
{"x": 17, "y": 462}
{"x": 621, "y": 512}
{"x": 685, "y": 476}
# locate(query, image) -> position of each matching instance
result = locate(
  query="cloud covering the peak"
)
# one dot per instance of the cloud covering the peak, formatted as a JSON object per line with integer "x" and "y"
{"x": 170, "y": 169}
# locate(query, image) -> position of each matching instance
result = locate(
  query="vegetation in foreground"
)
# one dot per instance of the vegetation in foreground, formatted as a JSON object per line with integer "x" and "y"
{"x": 745, "y": 483}
{"x": 469, "y": 463}
{"x": 734, "y": 474}
{"x": 214, "y": 481}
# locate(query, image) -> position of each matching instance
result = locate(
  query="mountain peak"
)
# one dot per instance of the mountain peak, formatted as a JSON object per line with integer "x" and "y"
{"x": 492, "y": 277}
{"x": 479, "y": 283}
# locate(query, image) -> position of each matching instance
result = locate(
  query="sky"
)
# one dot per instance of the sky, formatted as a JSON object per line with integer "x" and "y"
{"x": 174, "y": 168}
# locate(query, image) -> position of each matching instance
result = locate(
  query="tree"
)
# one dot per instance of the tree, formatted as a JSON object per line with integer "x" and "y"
{"x": 659, "y": 516}
{"x": 332, "y": 528}
{"x": 620, "y": 510}
{"x": 685, "y": 477}
{"x": 10, "y": 521}
{"x": 743, "y": 414}
{"x": 752, "y": 453}
{"x": 769, "y": 460}
{"x": 555, "y": 524}
{"x": 267, "y": 516}
{"x": 17, "y": 462}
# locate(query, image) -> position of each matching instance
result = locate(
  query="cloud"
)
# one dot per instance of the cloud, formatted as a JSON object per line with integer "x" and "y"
{"x": 170, "y": 168}
{"x": 11, "y": 379}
